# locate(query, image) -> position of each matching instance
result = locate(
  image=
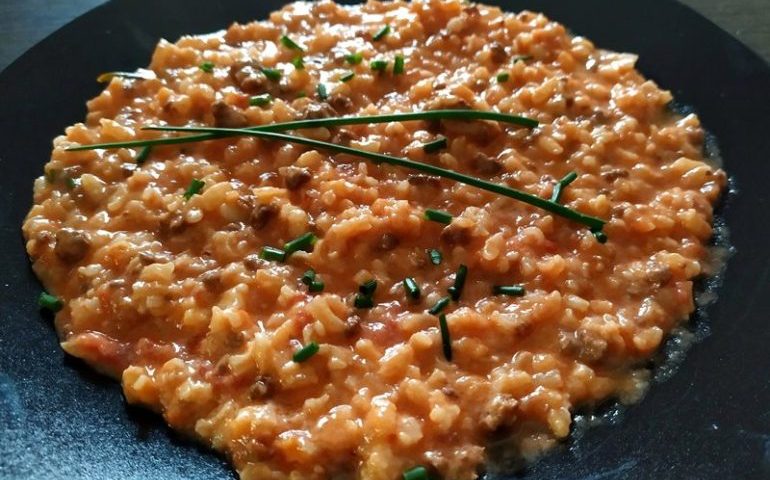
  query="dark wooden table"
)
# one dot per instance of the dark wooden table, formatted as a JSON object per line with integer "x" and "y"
{"x": 25, "y": 22}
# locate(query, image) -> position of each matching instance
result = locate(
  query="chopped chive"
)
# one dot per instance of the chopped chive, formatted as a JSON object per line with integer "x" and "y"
{"x": 381, "y": 33}
{"x": 435, "y": 256}
{"x": 522, "y": 58}
{"x": 143, "y": 154}
{"x": 272, "y": 253}
{"x": 559, "y": 187}
{"x": 398, "y": 65}
{"x": 379, "y": 65}
{"x": 298, "y": 62}
{"x": 303, "y": 242}
{"x": 305, "y": 352}
{"x": 503, "y": 77}
{"x": 272, "y": 73}
{"x": 107, "y": 76}
{"x": 308, "y": 277}
{"x": 412, "y": 289}
{"x": 49, "y": 302}
{"x": 317, "y": 286}
{"x": 347, "y": 77}
{"x": 195, "y": 187}
{"x": 510, "y": 290}
{"x": 70, "y": 182}
{"x": 440, "y": 305}
{"x": 446, "y": 340}
{"x": 207, "y": 67}
{"x": 416, "y": 473}
{"x": 457, "y": 289}
{"x": 363, "y": 301}
{"x": 291, "y": 44}
{"x": 601, "y": 237}
{"x": 435, "y": 145}
{"x": 261, "y": 100}
{"x": 323, "y": 94}
{"x": 354, "y": 58}
{"x": 439, "y": 216}
{"x": 368, "y": 287}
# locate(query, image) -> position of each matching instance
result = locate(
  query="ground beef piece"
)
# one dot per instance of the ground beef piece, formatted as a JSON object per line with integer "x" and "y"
{"x": 263, "y": 387}
{"x": 501, "y": 412}
{"x": 341, "y": 103}
{"x": 249, "y": 78}
{"x": 315, "y": 111}
{"x": 388, "y": 241}
{"x": 262, "y": 214}
{"x": 295, "y": 177}
{"x": 486, "y": 166}
{"x": 614, "y": 174}
{"x": 497, "y": 52}
{"x": 71, "y": 245}
{"x": 418, "y": 179}
{"x": 456, "y": 235}
{"x": 226, "y": 116}
{"x": 586, "y": 345}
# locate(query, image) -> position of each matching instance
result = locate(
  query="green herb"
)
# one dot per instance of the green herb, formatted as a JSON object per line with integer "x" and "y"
{"x": 412, "y": 289}
{"x": 601, "y": 237}
{"x": 368, "y": 287}
{"x": 303, "y": 242}
{"x": 510, "y": 290}
{"x": 317, "y": 286}
{"x": 308, "y": 277}
{"x": 416, "y": 473}
{"x": 323, "y": 94}
{"x": 440, "y": 305}
{"x": 439, "y": 216}
{"x": 354, "y": 58}
{"x": 457, "y": 289}
{"x": 290, "y": 44}
{"x": 503, "y": 77}
{"x": 363, "y": 301}
{"x": 272, "y": 74}
{"x": 195, "y": 187}
{"x": 446, "y": 340}
{"x": 379, "y": 65}
{"x": 435, "y": 256}
{"x": 272, "y": 253}
{"x": 305, "y": 352}
{"x": 435, "y": 145}
{"x": 522, "y": 58}
{"x": 142, "y": 156}
{"x": 398, "y": 65}
{"x": 207, "y": 67}
{"x": 347, "y": 77}
{"x": 298, "y": 62}
{"x": 381, "y": 33}
{"x": 49, "y": 302}
{"x": 261, "y": 100}
{"x": 70, "y": 182}
{"x": 559, "y": 187}
{"x": 107, "y": 76}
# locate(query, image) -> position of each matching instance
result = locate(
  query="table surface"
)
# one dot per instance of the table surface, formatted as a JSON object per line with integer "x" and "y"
{"x": 25, "y": 22}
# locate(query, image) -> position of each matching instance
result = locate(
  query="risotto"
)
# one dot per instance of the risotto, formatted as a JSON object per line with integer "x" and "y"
{"x": 314, "y": 315}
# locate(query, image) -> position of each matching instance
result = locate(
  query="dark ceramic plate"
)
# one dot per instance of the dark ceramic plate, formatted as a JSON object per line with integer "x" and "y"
{"x": 709, "y": 420}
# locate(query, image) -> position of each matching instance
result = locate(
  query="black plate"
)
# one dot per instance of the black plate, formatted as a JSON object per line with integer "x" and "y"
{"x": 710, "y": 420}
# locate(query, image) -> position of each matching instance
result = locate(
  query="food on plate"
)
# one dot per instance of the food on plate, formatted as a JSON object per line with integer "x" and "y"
{"x": 360, "y": 241}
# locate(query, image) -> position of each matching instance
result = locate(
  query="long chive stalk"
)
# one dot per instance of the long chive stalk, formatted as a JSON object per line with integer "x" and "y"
{"x": 329, "y": 122}
{"x": 594, "y": 223}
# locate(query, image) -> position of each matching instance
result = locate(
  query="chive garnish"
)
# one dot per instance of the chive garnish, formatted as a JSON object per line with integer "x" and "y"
{"x": 195, "y": 188}
{"x": 143, "y": 154}
{"x": 522, "y": 58}
{"x": 261, "y": 100}
{"x": 317, "y": 286}
{"x": 46, "y": 301}
{"x": 272, "y": 73}
{"x": 457, "y": 289}
{"x": 303, "y": 242}
{"x": 347, "y": 77}
{"x": 435, "y": 145}
{"x": 354, "y": 58}
{"x": 291, "y": 44}
{"x": 503, "y": 77}
{"x": 412, "y": 288}
{"x": 559, "y": 187}
{"x": 439, "y": 216}
{"x": 440, "y": 305}
{"x": 298, "y": 62}
{"x": 323, "y": 94}
{"x": 363, "y": 301}
{"x": 416, "y": 473}
{"x": 381, "y": 33}
{"x": 446, "y": 340}
{"x": 435, "y": 256}
{"x": 305, "y": 352}
{"x": 70, "y": 182}
{"x": 207, "y": 67}
{"x": 308, "y": 277}
{"x": 379, "y": 65}
{"x": 368, "y": 287}
{"x": 107, "y": 76}
{"x": 601, "y": 237}
{"x": 272, "y": 253}
{"x": 510, "y": 290}
{"x": 398, "y": 65}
